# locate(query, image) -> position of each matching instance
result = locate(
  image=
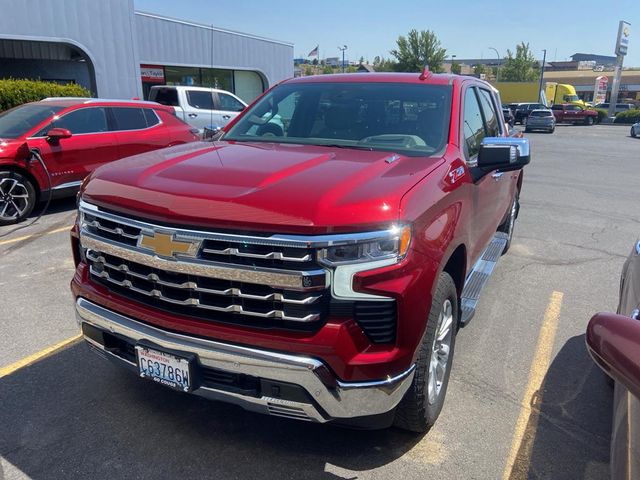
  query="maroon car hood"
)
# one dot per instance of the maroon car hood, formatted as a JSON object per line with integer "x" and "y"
{"x": 259, "y": 186}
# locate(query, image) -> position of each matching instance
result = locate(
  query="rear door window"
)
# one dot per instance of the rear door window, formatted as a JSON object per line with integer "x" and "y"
{"x": 151, "y": 116}
{"x": 201, "y": 100}
{"x": 129, "y": 118}
{"x": 84, "y": 120}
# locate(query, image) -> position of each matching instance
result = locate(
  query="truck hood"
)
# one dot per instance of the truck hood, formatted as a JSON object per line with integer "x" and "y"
{"x": 260, "y": 186}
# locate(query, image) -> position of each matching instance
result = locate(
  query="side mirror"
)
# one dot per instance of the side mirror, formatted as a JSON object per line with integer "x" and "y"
{"x": 614, "y": 344}
{"x": 212, "y": 133}
{"x": 56, "y": 134}
{"x": 504, "y": 153}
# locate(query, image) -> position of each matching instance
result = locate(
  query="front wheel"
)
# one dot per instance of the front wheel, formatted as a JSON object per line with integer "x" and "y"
{"x": 421, "y": 405}
{"x": 588, "y": 121}
{"x": 633, "y": 132}
{"x": 510, "y": 222}
{"x": 17, "y": 197}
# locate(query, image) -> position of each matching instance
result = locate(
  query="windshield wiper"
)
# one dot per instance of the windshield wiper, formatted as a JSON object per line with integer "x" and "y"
{"x": 338, "y": 145}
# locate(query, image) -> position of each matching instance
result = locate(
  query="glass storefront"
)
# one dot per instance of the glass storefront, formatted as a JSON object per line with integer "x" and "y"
{"x": 245, "y": 84}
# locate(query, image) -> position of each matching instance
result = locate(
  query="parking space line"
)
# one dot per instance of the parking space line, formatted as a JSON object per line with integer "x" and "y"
{"x": 25, "y": 237}
{"x": 525, "y": 429}
{"x": 42, "y": 354}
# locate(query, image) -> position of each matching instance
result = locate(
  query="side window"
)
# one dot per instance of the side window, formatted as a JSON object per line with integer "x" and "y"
{"x": 165, "y": 96}
{"x": 129, "y": 118}
{"x": 151, "y": 117}
{"x": 473, "y": 124}
{"x": 230, "y": 104}
{"x": 490, "y": 116}
{"x": 84, "y": 120}
{"x": 202, "y": 100}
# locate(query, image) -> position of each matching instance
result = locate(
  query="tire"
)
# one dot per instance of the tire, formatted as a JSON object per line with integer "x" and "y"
{"x": 421, "y": 405}
{"x": 17, "y": 197}
{"x": 633, "y": 132}
{"x": 510, "y": 222}
{"x": 552, "y": 130}
{"x": 588, "y": 121}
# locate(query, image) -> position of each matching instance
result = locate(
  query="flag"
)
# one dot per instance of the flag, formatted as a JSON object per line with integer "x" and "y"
{"x": 314, "y": 52}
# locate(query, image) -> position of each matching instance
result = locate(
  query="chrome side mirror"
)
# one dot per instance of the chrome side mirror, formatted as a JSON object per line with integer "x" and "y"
{"x": 504, "y": 153}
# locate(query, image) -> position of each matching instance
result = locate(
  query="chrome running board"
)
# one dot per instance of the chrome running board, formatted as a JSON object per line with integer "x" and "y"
{"x": 479, "y": 275}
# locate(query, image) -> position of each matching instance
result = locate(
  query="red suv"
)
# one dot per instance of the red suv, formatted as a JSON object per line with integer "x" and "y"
{"x": 73, "y": 136}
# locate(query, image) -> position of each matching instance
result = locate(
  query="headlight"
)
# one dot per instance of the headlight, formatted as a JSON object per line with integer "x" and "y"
{"x": 348, "y": 259}
{"x": 394, "y": 244}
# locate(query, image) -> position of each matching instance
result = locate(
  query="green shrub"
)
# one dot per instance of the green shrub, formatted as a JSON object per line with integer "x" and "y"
{"x": 628, "y": 116}
{"x": 14, "y": 92}
{"x": 602, "y": 114}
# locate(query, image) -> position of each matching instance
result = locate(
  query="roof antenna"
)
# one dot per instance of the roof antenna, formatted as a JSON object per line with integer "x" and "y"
{"x": 425, "y": 73}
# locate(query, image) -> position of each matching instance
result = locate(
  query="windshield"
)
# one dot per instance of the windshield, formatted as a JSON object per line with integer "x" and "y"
{"x": 19, "y": 120}
{"x": 406, "y": 118}
{"x": 571, "y": 98}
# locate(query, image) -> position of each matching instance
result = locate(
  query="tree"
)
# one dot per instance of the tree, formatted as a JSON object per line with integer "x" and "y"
{"x": 308, "y": 71}
{"x": 327, "y": 69}
{"x": 456, "y": 68}
{"x": 521, "y": 67}
{"x": 361, "y": 61}
{"x": 418, "y": 49}
{"x": 479, "y": 69}
{"x": 352, "y": 69}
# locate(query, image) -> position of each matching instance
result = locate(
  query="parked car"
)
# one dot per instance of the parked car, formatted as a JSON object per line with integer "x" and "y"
{"x": 571, "y": 113}
{"x": 613, "y": 340}
{"x": 508, "y": 116}
{"x": 620, "y": 107}
{"x": 523, "y": 110}
{"x": 198, "y": 106}
{"x": 635, "y": 130}
{"x": 319, "y": 274}
{"x": 73, "y": 137}
{"x": 540, "y": 120}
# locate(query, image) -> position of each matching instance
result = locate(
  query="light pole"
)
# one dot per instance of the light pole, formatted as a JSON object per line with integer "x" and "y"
{"x": 342, "y": 49}
{"x": 544, "y": 59}
{"x": 499, "y": 62}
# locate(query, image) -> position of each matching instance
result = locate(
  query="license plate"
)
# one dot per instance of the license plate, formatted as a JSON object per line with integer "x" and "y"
{"x": 164, "y": 368}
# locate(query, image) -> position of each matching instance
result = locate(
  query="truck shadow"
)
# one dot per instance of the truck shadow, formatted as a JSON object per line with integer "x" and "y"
{"x": 569, "y": 430}
{"x": 75, "y": 416}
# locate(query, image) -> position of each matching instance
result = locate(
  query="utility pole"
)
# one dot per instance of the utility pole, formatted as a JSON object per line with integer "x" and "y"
{"x": 342, "y": 49}
{"x": 544, "y": 59}
{"x": 499, "y": 62}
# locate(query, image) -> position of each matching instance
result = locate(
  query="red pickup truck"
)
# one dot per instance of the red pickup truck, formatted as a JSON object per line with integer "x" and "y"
{"x": 570, "y": 113}
{"x": 315, "y": 262}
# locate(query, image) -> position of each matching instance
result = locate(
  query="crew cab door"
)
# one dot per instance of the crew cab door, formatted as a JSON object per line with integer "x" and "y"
{"x": 91, "y": 144}
{"x": 489, "y": 192}
{"x": 200, "y": 110}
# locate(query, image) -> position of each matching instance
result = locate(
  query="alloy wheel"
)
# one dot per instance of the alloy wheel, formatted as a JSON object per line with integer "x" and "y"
{"x": 14, "y": 198}
{"x": 440, "y": 352}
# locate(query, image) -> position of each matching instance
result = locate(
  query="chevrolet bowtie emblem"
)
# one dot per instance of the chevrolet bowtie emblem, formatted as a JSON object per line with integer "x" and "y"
{"x": 165, "y": 246}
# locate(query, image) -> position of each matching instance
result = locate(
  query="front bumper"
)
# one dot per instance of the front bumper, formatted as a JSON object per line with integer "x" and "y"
{"x": 328, "y": 397}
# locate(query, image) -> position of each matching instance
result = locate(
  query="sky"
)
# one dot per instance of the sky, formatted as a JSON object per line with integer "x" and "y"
{"x": 465, "y": 28}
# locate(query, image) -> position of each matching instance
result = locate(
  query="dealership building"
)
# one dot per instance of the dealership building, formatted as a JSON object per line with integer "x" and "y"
{"x": 117, "y": 52}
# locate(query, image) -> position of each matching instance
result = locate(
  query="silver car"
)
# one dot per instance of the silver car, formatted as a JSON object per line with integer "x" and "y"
{"x": 635, "y": 130}
{"x": 541, "y": 119}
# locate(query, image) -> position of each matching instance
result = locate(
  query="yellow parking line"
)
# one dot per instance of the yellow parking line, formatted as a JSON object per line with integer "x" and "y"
{"x": 526, "y": 430}
{"x": 26, "y": 361}
{"x": 19, "y": 239}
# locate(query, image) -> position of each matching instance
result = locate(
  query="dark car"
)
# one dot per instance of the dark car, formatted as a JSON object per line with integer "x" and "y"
{"x": 508, "y": 116}
{"x": 523, "y": 110}
{"x": 74, "y": 136}
{"x": 613, "y": 340}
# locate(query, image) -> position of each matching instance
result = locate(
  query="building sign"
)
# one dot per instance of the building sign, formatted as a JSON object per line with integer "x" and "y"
{"x": 152, "y": 73}
{"x": 600, "y": 89}
{"x": 624, "y": 30}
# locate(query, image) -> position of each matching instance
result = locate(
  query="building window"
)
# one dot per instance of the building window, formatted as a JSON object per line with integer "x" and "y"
{"x": 248, "y": 85}
{"x": 182, "y": 76}
{"x": 217, "y": 78}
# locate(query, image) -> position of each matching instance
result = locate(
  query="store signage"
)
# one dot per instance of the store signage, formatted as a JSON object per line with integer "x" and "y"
{"x": 600, "y": 89}
{"x": 624, "y": 31}
{"x": 152, "y": 73}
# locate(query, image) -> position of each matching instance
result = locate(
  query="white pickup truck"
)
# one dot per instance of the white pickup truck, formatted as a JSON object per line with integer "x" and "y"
{"x": 198, "y": 106}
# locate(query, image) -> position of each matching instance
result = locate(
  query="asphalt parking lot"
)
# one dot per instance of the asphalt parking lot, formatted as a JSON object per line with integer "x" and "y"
{"x": 525, "y": 400}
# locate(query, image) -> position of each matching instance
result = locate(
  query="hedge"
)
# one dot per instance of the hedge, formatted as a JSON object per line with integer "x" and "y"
{"x": 14, "y": 92}
{"x": 602, "y": 114}
{"x": 628, "y": 116}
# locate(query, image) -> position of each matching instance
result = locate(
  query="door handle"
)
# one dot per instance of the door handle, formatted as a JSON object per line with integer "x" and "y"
{"x": 192, "y": 115}
{"x": 497, "y": 175}
{"x": 226, "y": 117}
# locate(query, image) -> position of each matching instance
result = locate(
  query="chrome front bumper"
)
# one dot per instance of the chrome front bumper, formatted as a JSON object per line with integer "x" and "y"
{"x": 332, "y": 398}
